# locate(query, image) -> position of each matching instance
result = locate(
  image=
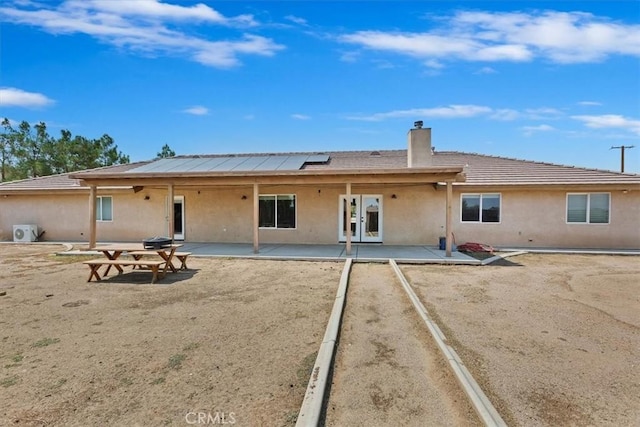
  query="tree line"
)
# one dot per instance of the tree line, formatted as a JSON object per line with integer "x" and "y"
{"x": 29, "y": 152}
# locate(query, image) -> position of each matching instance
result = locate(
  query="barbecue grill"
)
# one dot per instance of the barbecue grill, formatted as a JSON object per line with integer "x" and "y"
{"x": 157, "y": 242}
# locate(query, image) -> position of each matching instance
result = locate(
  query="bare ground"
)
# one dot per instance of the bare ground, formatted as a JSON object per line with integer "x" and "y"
{"x": 233, "y": 339}
{"x": 552, "y": 339}
{"x": 388, "y": 369}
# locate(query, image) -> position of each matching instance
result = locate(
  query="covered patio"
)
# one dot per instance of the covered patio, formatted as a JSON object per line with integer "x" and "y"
{"x": 256, "y": 180}
{"x": 359, "y": 252}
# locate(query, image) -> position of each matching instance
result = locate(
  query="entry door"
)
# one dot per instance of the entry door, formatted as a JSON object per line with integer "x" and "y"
{"x": 364, "y": 215}
{"x": 178, "y": 218}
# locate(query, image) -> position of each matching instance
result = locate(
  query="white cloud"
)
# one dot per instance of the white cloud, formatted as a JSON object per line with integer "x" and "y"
{"x": 296, "y": 19}
{"x": 608, "y": 121}
{"x": 589, "y": 103}
{"x": 505, "y": 114}
{"x": 13, "y": 97}
{"x": 486, "y": 70}
{"x": 448, "y": 112}
{"x": 158, "y": 9}
{"x": 197, "y": 110}
{"x": 142, "y": 26}
{"x": 425, "y": 45}
{"x": 434, "y": 64}
{"x": 468, "y": 111}
{"x": 543, "y": 113}
{"x": 349, "y": 56}
{"x": 560, "y": 37}
{"x": 300, "y": 117}
{"x": 530, "y": 130}
{"x": 384, "y": 65}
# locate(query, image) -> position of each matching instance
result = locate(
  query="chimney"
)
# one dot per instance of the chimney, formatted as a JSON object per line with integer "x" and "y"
{"x": 419, "y": 153}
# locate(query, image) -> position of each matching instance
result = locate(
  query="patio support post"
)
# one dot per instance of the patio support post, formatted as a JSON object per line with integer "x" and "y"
{"x": 92, "y": 216}
{"x": 449, "y": 237}
{"x": 171, "y": 213}
{"x": 347, "y": 224}
{"x": 256, "y": 218}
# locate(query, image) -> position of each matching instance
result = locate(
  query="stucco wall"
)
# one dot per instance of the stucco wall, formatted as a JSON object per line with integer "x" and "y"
{"x": 416, "y": 215}
{"x": 538, "y": 219}
{"x": 60, "y": 216}
{"x": 66, "y": 217}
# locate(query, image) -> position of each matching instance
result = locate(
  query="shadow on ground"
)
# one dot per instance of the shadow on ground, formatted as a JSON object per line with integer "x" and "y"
{"x": 137, "y": 277}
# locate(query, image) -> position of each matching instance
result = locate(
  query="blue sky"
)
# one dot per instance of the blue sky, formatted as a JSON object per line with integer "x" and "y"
{"x": 546, "y": 81}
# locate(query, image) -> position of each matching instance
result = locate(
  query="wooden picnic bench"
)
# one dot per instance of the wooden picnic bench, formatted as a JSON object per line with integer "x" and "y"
{"x": 182, "y": 257}
{"x": 152, "y": 265}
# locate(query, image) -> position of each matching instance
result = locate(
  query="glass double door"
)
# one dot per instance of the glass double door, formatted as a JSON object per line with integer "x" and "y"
{"x": 363, "y": 216}
{"x": 178, "y": 218}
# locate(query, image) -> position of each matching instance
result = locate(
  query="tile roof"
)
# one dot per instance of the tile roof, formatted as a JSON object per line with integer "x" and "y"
{"x": 52, "y": 182}
{"x": 492, "y": 170}
{"x": 61, "y": 181}
{"x": 479, "y": 169}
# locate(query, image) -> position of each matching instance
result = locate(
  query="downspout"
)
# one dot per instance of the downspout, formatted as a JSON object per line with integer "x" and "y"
{"x": 171, "y": 214}
{"x": 449, "y": 231}
{"x": 256, "y": 218}
{"x": 92, "y": 216}
{"x": 348, "y": 219}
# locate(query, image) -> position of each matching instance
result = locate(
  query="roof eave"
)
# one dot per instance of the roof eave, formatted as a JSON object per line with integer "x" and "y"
{"x": 303, "y": 172}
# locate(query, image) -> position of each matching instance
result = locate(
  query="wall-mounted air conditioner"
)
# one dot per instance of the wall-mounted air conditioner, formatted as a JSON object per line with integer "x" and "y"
{"x": 25, "y": 233}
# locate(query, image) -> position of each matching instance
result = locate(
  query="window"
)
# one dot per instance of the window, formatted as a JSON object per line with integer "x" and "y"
{"x": 104, "y": 208}
{"x": 277, "y": 211}
{"x": 481, "y": 208}
{"x": 588, "y": 208}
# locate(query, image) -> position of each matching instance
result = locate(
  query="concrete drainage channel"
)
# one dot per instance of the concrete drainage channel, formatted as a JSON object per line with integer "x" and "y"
{"x": 316, "y": 400}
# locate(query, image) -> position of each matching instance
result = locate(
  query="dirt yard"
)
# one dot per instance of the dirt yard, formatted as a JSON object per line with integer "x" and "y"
{"x": 552, "y": 339}
{"x": 230, "y": 340}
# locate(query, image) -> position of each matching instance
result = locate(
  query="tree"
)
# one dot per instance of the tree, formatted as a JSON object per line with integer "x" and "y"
{"x": 7, "y": 151}
{"x": 57, "y": 152}
{"x": 165, "y": 152}
{"x": 27, "y": 152}
{"x": 109, "y": 154}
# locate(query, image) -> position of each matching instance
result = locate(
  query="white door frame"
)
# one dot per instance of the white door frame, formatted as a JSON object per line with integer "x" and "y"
{"x": 179, "y": 236}
{"x": 359, "y": 218}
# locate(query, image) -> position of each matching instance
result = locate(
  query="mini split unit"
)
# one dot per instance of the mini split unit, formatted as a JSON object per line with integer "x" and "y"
{"x": 25, "y": 233}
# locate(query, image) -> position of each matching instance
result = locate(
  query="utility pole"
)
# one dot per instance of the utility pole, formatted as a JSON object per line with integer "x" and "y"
{"x": 621, "y": 148}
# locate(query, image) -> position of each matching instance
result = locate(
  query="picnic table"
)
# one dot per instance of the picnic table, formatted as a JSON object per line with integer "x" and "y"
{"x": 113, "y": 251}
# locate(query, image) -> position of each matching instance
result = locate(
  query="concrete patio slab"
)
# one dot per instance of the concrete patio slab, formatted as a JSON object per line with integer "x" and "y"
{"x": 359, "y": 252}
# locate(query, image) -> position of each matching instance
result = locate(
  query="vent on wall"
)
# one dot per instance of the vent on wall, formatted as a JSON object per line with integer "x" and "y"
{"x": 25, "y": 233}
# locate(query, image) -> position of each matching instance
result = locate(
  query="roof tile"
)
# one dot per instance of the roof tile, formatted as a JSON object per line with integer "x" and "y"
{"x": 479, "y": 169}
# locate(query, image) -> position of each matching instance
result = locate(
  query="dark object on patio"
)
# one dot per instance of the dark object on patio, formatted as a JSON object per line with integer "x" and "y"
{"x": 157, "y": 242}
{"x": 475, "y": 247}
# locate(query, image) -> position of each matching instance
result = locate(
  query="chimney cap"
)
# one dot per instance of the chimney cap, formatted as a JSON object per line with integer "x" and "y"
{"x": 418, "y": 124}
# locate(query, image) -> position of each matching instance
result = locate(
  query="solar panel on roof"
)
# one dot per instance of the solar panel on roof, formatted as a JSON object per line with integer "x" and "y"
{"x": 250, "y": 163}
{"x": 194, "y": 164}
{"x": 263, "y": 163}
{"x": 317, "y": 158}
{"x": 153, "y": 166}
{"x": 292, "y": 163}
{"x": 208, "y": 164}
{"x": 271, "y": 163}
{"x": 179, "y": 165}
{"x": 228, "y": 164}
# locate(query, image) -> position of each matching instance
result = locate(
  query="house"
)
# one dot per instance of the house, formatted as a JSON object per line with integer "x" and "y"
{"x": 400, "y": 197}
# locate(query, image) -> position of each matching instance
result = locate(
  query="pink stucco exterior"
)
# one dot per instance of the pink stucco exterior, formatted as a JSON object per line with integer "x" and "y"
{"x": 415, "y": 216}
